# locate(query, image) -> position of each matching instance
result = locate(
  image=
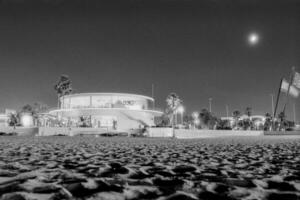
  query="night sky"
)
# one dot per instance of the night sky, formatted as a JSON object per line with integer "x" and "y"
{"x": 198, "y": 49}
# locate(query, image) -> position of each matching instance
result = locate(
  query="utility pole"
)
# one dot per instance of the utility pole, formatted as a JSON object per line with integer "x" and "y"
{"x": 209, "y": 101}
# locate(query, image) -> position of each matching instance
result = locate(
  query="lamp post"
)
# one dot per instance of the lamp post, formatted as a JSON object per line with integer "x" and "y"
{"x": 294, "y": 112}
{"x": 197, "y": 122}
{"x": 195, "y": 116}
{"x": 209, "y": 101}
{"x": 227, "y": 111}
{"x": 180, "y": 109}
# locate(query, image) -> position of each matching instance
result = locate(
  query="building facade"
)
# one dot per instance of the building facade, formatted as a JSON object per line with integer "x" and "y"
{"x": 114, "y": 111}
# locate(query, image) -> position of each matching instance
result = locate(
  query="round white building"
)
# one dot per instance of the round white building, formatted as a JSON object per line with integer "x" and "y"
{"x": 114, "y": 111}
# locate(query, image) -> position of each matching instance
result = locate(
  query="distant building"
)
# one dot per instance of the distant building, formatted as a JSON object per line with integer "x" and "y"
{"x": 114, "y": 111}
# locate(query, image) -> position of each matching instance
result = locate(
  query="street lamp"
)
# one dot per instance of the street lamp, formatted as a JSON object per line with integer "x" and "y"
{"x": 196, "y": 122}
{"x": 209, "y": 101}
{"x": 195, "y": 116}
{"x": 227, "y": 111}
{"x": 180, "y": 109}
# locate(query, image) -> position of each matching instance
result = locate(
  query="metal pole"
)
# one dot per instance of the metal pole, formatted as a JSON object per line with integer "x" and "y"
{"x": 209, "y": 100}
{"x": 294, "y": 109}
{"x": 287, "y": 94}
{"x": 272, "y": 99}
{"x": 152, "y": 90}
{"x": 277, "y": 99}
{"x": 227, "y": 111}
{"x": 57, "y": 101}
{"x": 182, "y": 118}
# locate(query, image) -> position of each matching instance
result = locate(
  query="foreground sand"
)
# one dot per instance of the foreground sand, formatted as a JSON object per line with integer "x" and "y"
{"x": 144, "y": 168}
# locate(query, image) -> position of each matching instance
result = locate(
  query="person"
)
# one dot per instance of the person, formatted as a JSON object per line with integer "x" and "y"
{"x": 115, "y": 124}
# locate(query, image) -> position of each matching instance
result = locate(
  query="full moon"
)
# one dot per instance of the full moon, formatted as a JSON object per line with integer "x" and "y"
{"x": 253, "y": 38}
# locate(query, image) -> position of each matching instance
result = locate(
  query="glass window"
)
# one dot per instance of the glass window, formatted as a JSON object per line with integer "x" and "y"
{"x": 101, "y": 101}
{"x": 80, "y": 102}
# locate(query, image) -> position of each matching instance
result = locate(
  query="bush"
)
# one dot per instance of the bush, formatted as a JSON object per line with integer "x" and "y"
{"x": 2, "y": 133}
{"x": 223, "y": 125}
{"x": 290, "y": 129}
{"x": 12, "y": 134}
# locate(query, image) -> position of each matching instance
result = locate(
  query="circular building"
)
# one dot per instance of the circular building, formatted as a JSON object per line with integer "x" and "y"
{"x": 114, "y": 111}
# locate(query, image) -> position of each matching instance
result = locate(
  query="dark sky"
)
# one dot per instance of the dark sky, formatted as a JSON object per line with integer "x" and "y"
{"x": 195, "y": 48}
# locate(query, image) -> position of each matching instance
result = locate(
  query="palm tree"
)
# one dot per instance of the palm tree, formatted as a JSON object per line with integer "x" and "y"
{"x": 204, "y": 118}
{"x": 268, "y": 122}
{"x": 268, "y": 115}
{"x": 163, "y": 121}
{"x": 282, "y": 118}
{"x": 248, "y": 111}
{"x": 13, "y": 120}
{"x": 248, "y": 122}
{"x": 188, "y": 120}
{"x": 63, "y": 87}
{"x": 207, "y": 120}
{"x": 173, "y": 102}
{"x": 223, "y": 124}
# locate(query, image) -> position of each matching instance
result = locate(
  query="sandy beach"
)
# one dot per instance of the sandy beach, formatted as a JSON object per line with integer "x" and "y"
{"x": 145, "y": 168}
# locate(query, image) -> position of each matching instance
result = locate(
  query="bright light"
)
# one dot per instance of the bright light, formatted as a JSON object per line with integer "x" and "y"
{"x": 253, "y": 38}
{"x": 180, "y": 109}
{"x": 195, "y": 115}
{"x": 27, "y": 120}
{"x": 197, "y": 121}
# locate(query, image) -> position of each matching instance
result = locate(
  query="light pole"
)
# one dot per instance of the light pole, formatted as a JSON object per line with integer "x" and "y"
{"x": 176, "y": 121}
{"x": 294, "y": 110}
{"x": 272, "y": 99}
{"x": 180, "y": 109}
{"x": 227, "y": 111}
{"x": 209, "y": 101}
{"x": 152, "y": 93}
{"x": 195, "y": 116}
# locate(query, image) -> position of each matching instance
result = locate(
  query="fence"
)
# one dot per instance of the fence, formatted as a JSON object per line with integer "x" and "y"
{"x": 49, "y": 131}
{"x": 20, "y": 131}
{"x": 185, "y": 133}
{"x": 160, "y": 132}
{"x": 152, "y": 132}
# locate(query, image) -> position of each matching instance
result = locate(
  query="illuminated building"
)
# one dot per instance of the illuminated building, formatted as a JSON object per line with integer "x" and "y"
{"x": 114, "y": 111}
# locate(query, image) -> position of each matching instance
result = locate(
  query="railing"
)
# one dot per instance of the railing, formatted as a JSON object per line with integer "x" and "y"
{"x": 93, "y": 107}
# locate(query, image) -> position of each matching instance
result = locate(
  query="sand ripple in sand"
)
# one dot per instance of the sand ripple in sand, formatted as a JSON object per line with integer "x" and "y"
{"x": 50, "y": 168}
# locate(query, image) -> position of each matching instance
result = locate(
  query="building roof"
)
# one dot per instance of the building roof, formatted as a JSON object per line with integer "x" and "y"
{"x": 110, "y": 94}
